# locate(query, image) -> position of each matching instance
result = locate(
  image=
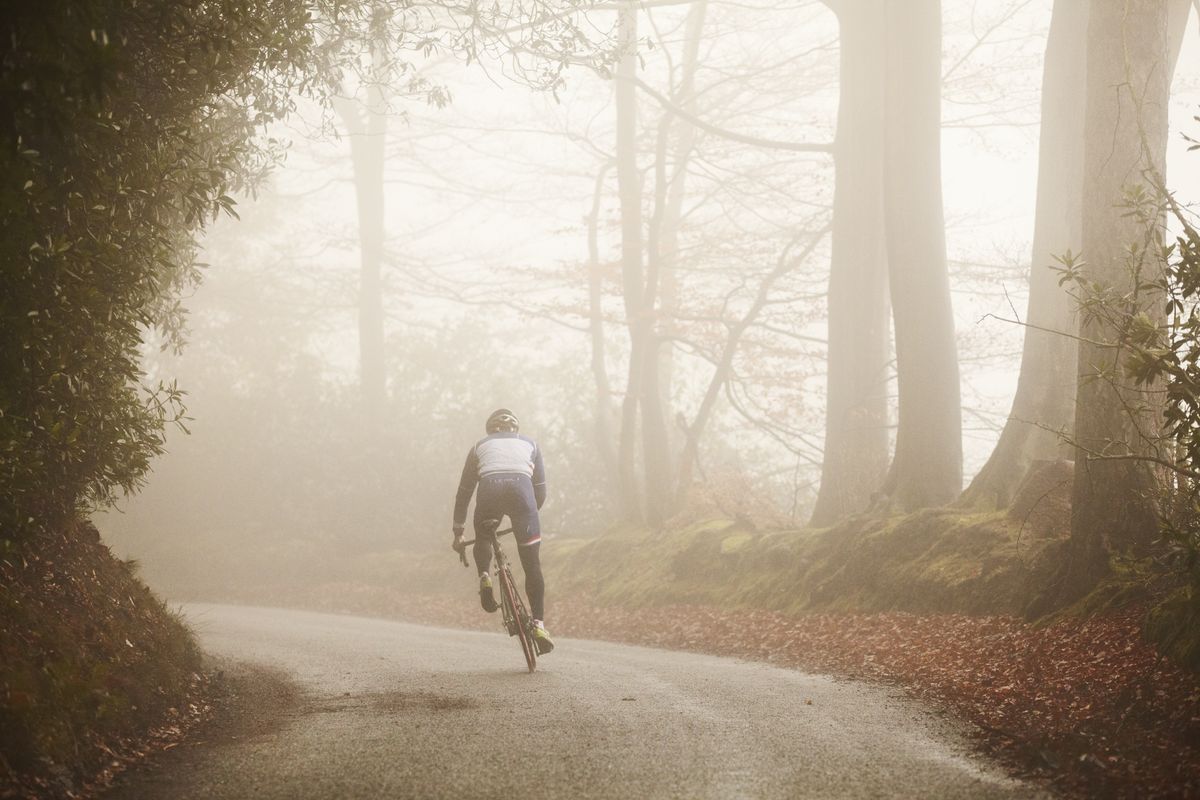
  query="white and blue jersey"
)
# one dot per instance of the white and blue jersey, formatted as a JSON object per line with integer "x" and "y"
{"x": 508, "y": 469}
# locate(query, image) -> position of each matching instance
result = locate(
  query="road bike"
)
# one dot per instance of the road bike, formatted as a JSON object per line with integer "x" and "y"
{"x": 514, "y": 617}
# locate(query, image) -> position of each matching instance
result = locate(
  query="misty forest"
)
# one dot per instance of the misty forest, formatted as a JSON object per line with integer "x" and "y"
{"x": 852, "y": 346}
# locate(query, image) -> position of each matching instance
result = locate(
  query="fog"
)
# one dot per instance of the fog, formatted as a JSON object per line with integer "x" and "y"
{"x": 337, "y": 373}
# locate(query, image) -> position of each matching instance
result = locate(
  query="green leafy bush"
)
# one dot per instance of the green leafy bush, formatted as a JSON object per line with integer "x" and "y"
{"x": 1169, "y": 356}
{"x": 124, "y": 127}
{"x": 1160, "y": 357}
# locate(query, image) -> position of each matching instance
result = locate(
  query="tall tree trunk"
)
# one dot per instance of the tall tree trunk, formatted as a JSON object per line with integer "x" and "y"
{"x": 1128, "y": 88}
{"x": 605, "y": 434}
{"x": 656, "y": 448}
{"x": 660, "y": 294}
{"x": 629, "y": 192}
{"x": 684, "y": 132}
{"x": 1178, "y": 13}
{"x": 927, "y": 468}
{"x": 1044, "y": 404}
{"x": 367, "y": 127}
{"x": 856, "y": 436}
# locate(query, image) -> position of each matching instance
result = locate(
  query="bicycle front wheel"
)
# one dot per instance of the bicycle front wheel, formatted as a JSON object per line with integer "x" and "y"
{"x": 513, "y": 598}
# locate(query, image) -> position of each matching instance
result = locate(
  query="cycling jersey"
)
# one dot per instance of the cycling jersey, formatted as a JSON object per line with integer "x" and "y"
{"x": 508, "y": 469}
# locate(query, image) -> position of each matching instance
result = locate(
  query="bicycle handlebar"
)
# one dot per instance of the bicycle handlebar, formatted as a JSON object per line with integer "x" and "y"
{"x": 461, "y": 547}
{"x": 504, "y": 532}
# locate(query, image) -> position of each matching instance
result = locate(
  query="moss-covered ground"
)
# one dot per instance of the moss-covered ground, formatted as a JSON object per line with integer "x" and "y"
{"x": 935, "y": 561}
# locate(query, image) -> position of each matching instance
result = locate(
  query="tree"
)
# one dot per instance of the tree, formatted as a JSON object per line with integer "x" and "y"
{"x": 605, "y": 436}
{"x": 670, "y": 190}
{"x": 1114, "y": 498}
{"x": 126, "y": 128}
{"x": 629, "y": 190}
{"x": 665, "y": 481}
{"x": 366, "y": 124}
{"x": 856, "y": 436}
{"x": 927, "y": 467}
{"x": 723, "y": 373}
{"x": 1044, "y": 405}
{"x": 1041, "y": 422}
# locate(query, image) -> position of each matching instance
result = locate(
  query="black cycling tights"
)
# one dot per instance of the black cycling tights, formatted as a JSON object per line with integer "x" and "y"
{"x": 535, "y": 585}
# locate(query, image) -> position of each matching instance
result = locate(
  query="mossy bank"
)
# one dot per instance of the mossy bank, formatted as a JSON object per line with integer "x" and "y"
{"x": 936, "y": 561}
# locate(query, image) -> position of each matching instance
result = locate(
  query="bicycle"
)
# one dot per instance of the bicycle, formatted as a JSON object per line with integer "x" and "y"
{"x": 514, "y": 617}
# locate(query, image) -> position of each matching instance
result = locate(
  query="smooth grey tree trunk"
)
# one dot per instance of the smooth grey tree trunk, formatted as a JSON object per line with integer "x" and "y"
{"x": 605, "y": 427}
{"x": 658, "y": 481}
{"x": 856, "y": 415}
{"x": 1043, "y": 408}
{"x": 629, "y": 192}
{"x": 1114, "y": 507}
{"x": 367, "y": 128}
{"x": 1043, "y": 411}
{"x": 927, "y": 467}
{"x": 684, "y": 133}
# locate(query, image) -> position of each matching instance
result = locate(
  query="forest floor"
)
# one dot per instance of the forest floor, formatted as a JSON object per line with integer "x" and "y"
{"x": 1086, "y": 705}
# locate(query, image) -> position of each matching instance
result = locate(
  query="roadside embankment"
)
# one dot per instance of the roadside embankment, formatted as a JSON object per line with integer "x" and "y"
{"x": 94, "y": 669}
{"x": 934, "y": 561}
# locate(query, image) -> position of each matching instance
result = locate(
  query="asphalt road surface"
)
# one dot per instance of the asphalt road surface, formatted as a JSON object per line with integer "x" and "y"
{"x": 380, "y": 709}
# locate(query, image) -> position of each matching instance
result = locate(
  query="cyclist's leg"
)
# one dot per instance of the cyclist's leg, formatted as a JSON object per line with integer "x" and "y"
{"x": 485, "y": 531}
{"x": 522, "y": 510}
{"x": 487, "y": 513}
{"x": 535, "y": 585}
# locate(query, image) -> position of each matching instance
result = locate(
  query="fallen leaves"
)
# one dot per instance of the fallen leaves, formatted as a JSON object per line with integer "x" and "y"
{"x": 1090, "y": 695}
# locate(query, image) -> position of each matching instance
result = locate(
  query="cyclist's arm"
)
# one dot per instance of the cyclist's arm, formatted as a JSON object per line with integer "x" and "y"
{"x": 539, "y": 477}
{"x": 466, "y": 488}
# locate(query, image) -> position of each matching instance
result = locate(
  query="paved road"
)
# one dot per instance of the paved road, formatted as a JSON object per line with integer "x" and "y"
{"x": 389, "y": 710}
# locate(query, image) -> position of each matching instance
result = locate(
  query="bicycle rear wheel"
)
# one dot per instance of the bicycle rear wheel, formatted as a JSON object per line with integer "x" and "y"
{"x": 513, "y": 598}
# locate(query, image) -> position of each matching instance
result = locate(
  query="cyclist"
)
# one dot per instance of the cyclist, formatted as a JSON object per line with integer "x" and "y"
{"x": 507, "y": 467}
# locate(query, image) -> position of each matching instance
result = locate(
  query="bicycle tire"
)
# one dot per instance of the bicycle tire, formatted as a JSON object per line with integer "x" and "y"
{"x": 508, "y": 615}
{"x": 522, "y": 617}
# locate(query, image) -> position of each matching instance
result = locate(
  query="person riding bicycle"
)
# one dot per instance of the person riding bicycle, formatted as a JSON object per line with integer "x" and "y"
{"x": 507, "y": 467}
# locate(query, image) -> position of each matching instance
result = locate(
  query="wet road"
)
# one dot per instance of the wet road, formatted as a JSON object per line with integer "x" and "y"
{"x": 385, "y": 709}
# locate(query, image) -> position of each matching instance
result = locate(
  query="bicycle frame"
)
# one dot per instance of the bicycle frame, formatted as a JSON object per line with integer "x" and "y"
{"x": 514, "y": 616}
